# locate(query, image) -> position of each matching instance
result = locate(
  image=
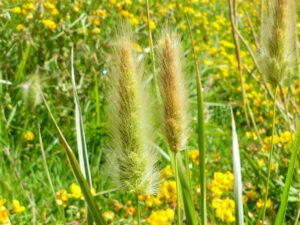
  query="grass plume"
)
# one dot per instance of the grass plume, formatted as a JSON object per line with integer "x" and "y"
{"x": 278, "y": 41}
{"x": 131, "y": 156}
{"x": 172, "y": 88}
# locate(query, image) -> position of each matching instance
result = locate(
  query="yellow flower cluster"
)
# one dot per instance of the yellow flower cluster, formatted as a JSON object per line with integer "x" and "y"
{"x": 194, "y": 156}
{"x": 5, "y": 213}
{"x": 108, "y": 215}
{"x": 224, "y": 209}
{"x": 51, "y": 8}
{"x": 222, "y": 183}
{"x": 161, "y": 217}
{"x": 284, "y": 139}
{"x": 50, "y": 24}
{"x": 166, "y": 172}
{"x": 25, "y": 9}
{"x": 167, "y": 194}
{"x": 62, "y": 196}
{"x": 128, "y": 207}
{"x": 260, "y": 203}
{"x": 28, "y": 136}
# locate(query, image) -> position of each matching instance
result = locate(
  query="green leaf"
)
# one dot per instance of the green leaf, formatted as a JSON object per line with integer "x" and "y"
{"x": 92, "y": 205}
{"x": 21, "y": 67}
{"x": 81, "y": 143}
{"x": 188, "y": 202}
{"x": 285, "y": 195}
{"x": 238, "y": 188}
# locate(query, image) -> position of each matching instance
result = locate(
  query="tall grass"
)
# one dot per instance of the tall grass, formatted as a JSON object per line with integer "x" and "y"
{"x": 201, "y": 132}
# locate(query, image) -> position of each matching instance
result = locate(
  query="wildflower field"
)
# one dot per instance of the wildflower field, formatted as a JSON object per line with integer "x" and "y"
{"x": 149, "y": 112}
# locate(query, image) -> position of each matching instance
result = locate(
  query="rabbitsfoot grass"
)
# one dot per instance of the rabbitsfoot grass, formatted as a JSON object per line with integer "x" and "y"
{"x": 174, "y": 99}
{"x": 131, "y": 156}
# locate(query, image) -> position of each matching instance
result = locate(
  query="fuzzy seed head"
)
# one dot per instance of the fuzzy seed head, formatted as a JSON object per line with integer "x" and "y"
{"x": 32, "y": 92}
{"x": 278, "y": 41}
{"x": 131, "y": 156}
{"x": 173, "y": 91}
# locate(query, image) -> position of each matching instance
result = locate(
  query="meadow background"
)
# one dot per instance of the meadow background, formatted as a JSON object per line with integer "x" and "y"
{"x": 36, "y": 38}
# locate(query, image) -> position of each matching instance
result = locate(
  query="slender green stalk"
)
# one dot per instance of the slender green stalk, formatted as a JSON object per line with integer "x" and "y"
{"x": 201, "y": 133}
{"x": 177, "y": 188}
{"x": 61, "y": 212}
{"x": 232, "y": 11}
{"x": 285, "y": 195}
{"x": 270, "y": 157}
{"x": 150, "y": 39}
{"x": 97, "y": 100}
{"x": 138, "y": 214}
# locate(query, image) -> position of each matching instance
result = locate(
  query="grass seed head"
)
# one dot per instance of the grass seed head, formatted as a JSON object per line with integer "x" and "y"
{"x": 32, "y": 92}
{"x": 172, "y": 88}
{"x": 278, "y": 41}
{"x": 132, "y": 158}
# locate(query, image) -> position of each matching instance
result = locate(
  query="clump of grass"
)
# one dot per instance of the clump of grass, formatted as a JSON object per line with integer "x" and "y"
{"x": 174, "y": 99}
{"x": 131, "y": 156}
{"x": 278, "y": 41}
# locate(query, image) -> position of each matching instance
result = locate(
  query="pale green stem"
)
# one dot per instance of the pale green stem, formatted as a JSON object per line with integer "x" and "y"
{"x": 151, "y": 49}
{"x": 270, "y": 157}
{"x": 138, "y": 214}
{"x": 177, "y": 189}
{"x": 201, "y": 132}
{"x": 97, "y": 100}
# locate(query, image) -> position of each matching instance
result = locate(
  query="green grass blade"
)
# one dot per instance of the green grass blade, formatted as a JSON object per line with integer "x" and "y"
{"x": 81, "y": 143}
{"x": 201, "y": 132}
{"x": 238, "y": 188}
{"x": 188, "y": 202}
{"x": 92, "y": 205}
{"x": 285, "y": 195}
{"x": 21, "y": 67}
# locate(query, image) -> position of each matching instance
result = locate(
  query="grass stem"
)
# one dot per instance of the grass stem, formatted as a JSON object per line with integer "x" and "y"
{"x": 177, "y": 189}
{"x": 201, "y": 131}
{"x": 270, "y": 157}
{"x": 138, "y": 214}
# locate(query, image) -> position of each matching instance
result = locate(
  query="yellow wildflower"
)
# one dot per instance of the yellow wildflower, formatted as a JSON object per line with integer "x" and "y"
{"x": 167, "y": 172}
{"x": 96, "y": 22}
{"x": 161, "y": 217}
{"x": 28, "y": 136}
{"x": 100, "y": 12}
{"x": 194, "y": 156}
{"x": 2, "y": 202}
{"x": 222, "y": 182}
{"x": 261, "y": 163}
{"x": 4, "y": 215}
{"x": 17, "y": 207}
{"x": 117, "y": 205}
{"x": 108, "y": 215}
{"x": 224, "y": 209}
{"x": 50, "y": 24}
{"x": 75, "y": 191}
{"x": 124, "y": 13}
{"x": 168, "y": 191}
{"x": 16, "y": 10}
{"x": 19, "y": 27}
{"x": 96, "y": 30}
{"x": 152, "y": 25}
{"x": 260, "y": 203}
{"x": 62, "y": 197}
